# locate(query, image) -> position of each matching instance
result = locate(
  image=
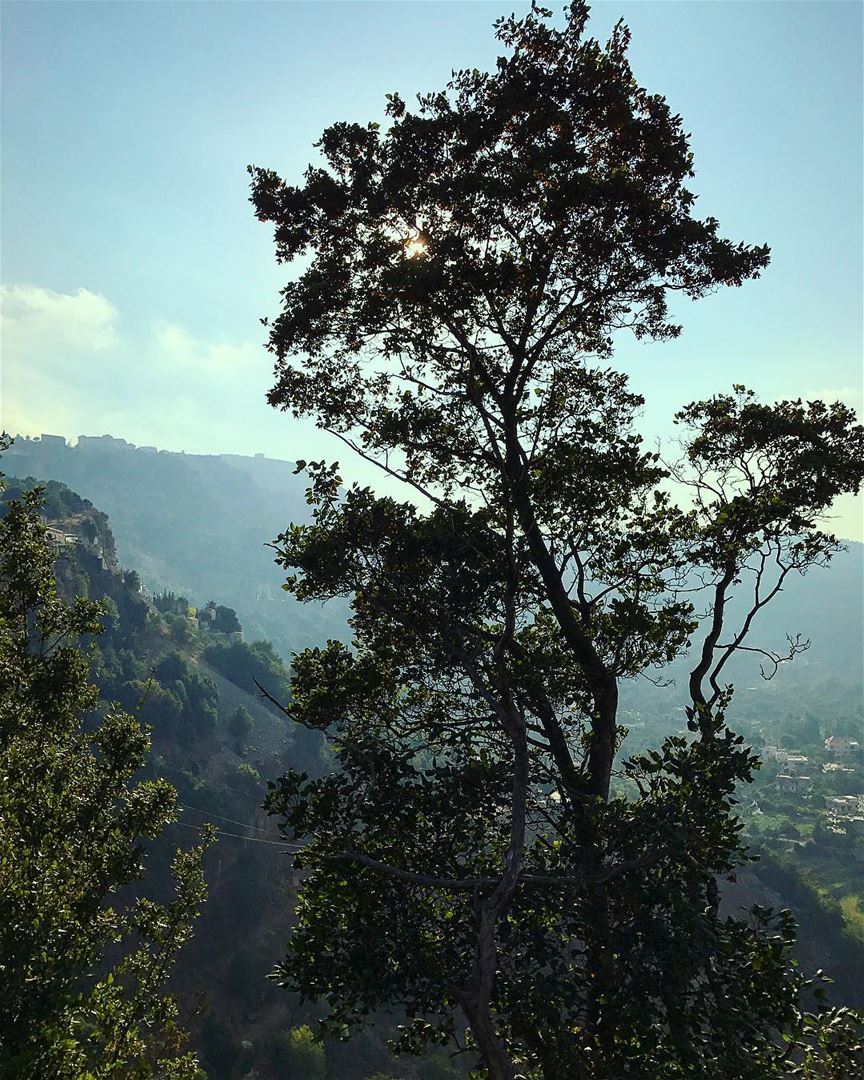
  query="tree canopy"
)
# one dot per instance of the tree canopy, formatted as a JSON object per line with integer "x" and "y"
{"x": 82, "y": 991}
{"x": 468, "y": 270}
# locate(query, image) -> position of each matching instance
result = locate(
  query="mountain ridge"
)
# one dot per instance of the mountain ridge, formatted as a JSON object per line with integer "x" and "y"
{"x": 201, "y": 524}
{"x": 194, "y": 524}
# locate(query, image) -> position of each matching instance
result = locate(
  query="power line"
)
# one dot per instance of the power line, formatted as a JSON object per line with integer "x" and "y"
{"x": 232, "y": 821}
{"x": 286, "y": 846}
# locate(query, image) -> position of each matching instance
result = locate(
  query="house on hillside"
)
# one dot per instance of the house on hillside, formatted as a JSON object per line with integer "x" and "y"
{"x": 791, "y": 760}
{"x": 842, "y": 745}
{"x": 220, "y": 620}
{"x": 794, "y": 762}
{"x": 844, "y": 806}
{"x": 846, "y": 813}
{"x": 60, "y": 540}
{"x": 103, "y": 442}
{"x": 93, "y": 545}
{"x": 794, "y": 784}
{"x": 207, "y": 617}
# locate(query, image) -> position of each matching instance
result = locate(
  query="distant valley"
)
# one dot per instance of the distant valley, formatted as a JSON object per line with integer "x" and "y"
{"x": 193, "y": 524}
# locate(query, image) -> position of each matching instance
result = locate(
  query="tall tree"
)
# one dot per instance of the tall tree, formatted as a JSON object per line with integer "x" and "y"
{"x": 468, "y": 269}
{"x": 82, "y": 976}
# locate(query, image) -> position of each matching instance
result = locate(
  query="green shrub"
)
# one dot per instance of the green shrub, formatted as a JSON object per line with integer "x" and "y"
{"x": 301, "y": 1054}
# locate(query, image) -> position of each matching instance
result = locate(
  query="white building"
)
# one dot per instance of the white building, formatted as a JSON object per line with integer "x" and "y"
{"x": 844, "y": 806}
{"x": 841, "y": 745}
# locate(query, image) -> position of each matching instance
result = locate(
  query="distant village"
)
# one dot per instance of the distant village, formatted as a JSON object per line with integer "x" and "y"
{"x": 840, "y": 758}
{"x": 103, "y": 443}
{"x": 85, "y": 442}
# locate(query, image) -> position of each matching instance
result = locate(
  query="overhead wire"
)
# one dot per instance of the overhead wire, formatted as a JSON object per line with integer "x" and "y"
{"x": 218, "y": 817}
{"x": 286, "y": 845}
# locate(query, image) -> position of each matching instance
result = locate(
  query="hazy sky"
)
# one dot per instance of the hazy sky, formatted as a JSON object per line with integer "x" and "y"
{"x": 134, "y": 272}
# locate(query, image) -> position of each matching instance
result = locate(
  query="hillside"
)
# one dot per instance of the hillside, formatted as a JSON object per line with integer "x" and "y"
{"x": 188, "y": 683}
{"x": 195, "y": 525}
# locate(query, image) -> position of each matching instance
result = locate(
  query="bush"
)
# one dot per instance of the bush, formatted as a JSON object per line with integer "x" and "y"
{"x": 240, "y": 727}
{"x": 300, "y": 1054}
{"x": 244, "y": 664}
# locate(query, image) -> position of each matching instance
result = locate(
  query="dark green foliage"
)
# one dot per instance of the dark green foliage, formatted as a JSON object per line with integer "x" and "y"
{"x": 72, "y": 825}
{"x": 804, "y": 732}
{"x": 240, "y": 726}
{"x": 135, "y": 662}
{"x": 467, "y": 270}
{"x": 197, "y": 693}
{"x": 181, "y": 630}
{"x": 248, "y": 663}
{"x": 173, "y": 699}
{"x": 131, "y": 580}
{"x": 298, "y": 1054}
{"x": 169, "y": 604}
{"x": 226, "y": 621}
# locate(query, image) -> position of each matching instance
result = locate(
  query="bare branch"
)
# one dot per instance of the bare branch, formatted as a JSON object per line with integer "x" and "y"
{"x": 470, "y": 884}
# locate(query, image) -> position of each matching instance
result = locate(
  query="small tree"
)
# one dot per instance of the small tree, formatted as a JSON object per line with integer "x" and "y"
{"x": 72, "y": 824}
{"x": 468, "y": 271}
{"x": 300, "y": 1054}
{"x": 226, "y": 621}
{"x": 240, "y": 727}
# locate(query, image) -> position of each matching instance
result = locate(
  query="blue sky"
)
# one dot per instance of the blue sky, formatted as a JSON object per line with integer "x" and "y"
{"x": 134, "y": 273}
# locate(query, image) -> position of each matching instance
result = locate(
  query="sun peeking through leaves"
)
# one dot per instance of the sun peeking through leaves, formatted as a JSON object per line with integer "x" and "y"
{"x": 416, "y": 245}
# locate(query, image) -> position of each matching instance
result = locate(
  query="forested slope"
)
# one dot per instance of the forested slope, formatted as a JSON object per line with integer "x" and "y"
{"x": 218, "y": 742}
{"x": 196, "y": 525}
{"x": 176, "y": 518}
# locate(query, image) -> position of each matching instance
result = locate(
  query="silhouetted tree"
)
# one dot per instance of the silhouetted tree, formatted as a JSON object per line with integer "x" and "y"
{"x": 468, "y": 268}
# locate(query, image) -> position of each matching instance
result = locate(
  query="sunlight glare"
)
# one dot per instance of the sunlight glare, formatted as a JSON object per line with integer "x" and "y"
{"x": 415, "y": 246}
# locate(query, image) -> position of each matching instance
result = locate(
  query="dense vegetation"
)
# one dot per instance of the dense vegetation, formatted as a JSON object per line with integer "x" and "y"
{"x": 216, "y": 743}
{"x": 248, "y": 664}
{"x": 83, "y": 975}
{"x": 799, "y": 713}
{"x": 214, "y": 774}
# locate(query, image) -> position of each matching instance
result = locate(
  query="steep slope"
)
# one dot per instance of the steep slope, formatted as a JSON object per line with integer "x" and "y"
{"x": 196, "y": 525}
{"x": 188, "y": 684}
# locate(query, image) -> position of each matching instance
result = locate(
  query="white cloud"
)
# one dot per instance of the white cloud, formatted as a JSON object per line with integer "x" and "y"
{"x": 37, "y": 322}
{"x": 174, "y": 349}
{"x": 849, "y": 395}
{"x": 67, "y": 369}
